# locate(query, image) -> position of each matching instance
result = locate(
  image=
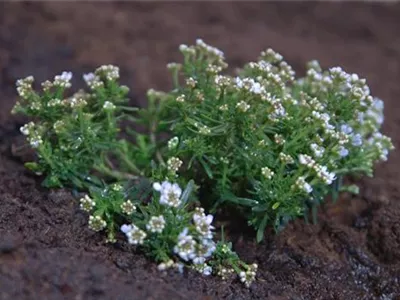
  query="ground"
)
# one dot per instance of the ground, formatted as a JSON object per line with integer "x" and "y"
{"x": 46, "y": 249}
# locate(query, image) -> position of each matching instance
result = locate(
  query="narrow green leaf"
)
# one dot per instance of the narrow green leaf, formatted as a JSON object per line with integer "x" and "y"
{"x": 261, "y": 229}
{"x": 206, "y": 168}
{"x": 188, "y": 190}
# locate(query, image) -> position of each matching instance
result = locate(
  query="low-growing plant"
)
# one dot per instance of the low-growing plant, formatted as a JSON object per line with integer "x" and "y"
{"x": 264, "y": 143}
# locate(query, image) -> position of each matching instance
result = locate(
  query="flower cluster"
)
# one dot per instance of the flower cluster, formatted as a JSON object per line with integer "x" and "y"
{"x": 72, "y": 134}
{"x": 306, "y": 133}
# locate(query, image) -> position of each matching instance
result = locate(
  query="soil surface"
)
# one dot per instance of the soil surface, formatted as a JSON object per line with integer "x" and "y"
{"x": 46, "y": 249}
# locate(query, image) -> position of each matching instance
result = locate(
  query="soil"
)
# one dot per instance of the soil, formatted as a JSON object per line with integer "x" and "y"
{"x": 46, "y": 249}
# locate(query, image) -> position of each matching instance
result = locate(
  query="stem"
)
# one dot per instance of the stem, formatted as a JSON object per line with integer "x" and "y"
{"x": 115, "y": 174}
{"x": 129, "y": 163}
{"x": 153, "y": 140}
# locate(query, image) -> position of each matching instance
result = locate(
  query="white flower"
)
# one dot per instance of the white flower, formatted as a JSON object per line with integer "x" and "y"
{"x": 173, "y": 143}
{"x": 243, "y": 106}
{"x": 357, "y": 140}
{"x": 156, "y": 224}
{"x": 323, "y": 173}
{"x": 223, "y": 107}
{"x": 126, "y": 228}
{"x": 35, "y": 141}
{"x": 210, "y": 49}
{"x": 157, "y": 186}
{"x": 93, "y": 81}
{"x": 63, "y": 80}
{"x": 128, "y": 207}
{"x": 203, "y": 225}
{"x": 174, "y": 163}
{"x": 97, "y": 223}
{"x": 286, "y": 158}
{"x": 345, "y": 128}
{"x": 110, "y": 72}
{"x": 170, "y": 193}
{"x": 186, "y": 246}
{"x": 26, "y": 129}
{"x": 183, "y": 47}
{"x": 207, "y": 271}
{"x": 87, "y": 203}
{"x": 318, "y": 150}
{"x": 343, "y": 152}
{"x": 267, "y": 172}
{"x": 108, "y": 106}
{"x": 305, "y": 159}
{"x": 204, "y": 130}
{"x": 180, "y": 98}
{"x": 303, "y": 185}
{"x": 134, "y": 234}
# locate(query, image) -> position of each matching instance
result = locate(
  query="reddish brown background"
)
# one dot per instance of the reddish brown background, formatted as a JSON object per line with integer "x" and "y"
{"x": 46, "y": 250}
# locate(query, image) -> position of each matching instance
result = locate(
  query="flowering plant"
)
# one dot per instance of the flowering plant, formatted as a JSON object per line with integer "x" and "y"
{"x": 263, "y": 142}
{"x": 268, "y": 142}
{"x": 77, "y": 143}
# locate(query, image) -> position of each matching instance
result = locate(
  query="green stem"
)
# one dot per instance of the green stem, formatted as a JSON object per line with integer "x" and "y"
{"x": 129, "y": 163}
{"x": 115, "y": 174}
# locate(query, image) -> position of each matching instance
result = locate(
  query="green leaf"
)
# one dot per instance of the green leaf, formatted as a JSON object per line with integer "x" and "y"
{"x": 353, "y": 189}
{"x": 239, "y": 200}
{"x": 206, "y": 168}
{"x": 188, "y": 190}
{"x": 260, "y": 208}
{"x": 276, "y": 205}
{"x": 32, "y": 166}
{"x": 261, "y": 229}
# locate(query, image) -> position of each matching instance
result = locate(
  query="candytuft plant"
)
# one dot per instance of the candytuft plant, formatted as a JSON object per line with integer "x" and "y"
{"x": 264, "y": 143}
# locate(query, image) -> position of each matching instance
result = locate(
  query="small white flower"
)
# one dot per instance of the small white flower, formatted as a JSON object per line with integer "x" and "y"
{"x": 135, "y": 235}
{"x": 170, "y": 193}
{"x": 183, "y": 47}
{"x": 87, "y": 203}
{"x": 26, "y": 129}
{"x": 126, "y": 228}
{"x": 286, "y": 158}
{"x": 128, "y": 207}
{"x": 345, "y": 128}
{"x": 243, "y": 106}
{"x": 186, "y": 246}
{"x": 223, "y": 107}
{"x": 173, "y": 143}
{"x": 96, "y": 223}
{"x": 204, "y": 130}
{"x": 357, "y": 140}
{"x": 63, "y": 80}
{"x": 156, "y": 224}
{"x": 267, "y": 172}
{"x": 318, "y": 150}
{"x": 207, "y": 270}
{"x": 343, "y": 152}
{"x": 110, "y": 72}
{"x": 108, "y": 106}
{"x": 306, "y": 160}
{"x": 35, "y": 141}
{"x": 93, "y": 81}
{"x": 191, "y": 82}
{"x": 303, "y": 185}
{"x": 174, "y": 164}
{"x": 157, "y": 186}
{"x": 203, "y": 225}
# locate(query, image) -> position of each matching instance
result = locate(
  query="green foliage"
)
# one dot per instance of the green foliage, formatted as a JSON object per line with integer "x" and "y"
{"x": 268, "y": 142}
{"x": 262, "y": 142}
{"x": 72, "y": 135}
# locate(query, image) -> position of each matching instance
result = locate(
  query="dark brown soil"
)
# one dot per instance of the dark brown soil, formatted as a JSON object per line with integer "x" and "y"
{"x": 46, "y": 250}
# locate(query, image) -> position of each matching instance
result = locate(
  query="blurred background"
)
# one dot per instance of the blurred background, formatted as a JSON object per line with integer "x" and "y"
{"x": 43, "y": 39}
